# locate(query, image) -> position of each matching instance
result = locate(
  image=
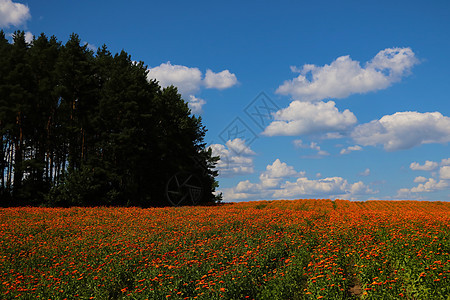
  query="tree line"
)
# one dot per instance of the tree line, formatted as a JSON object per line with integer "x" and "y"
{"x": 88, "y": 128}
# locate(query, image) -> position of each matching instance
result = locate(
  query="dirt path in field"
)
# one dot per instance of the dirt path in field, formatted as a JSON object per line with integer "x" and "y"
{"x": 356, "y": 290}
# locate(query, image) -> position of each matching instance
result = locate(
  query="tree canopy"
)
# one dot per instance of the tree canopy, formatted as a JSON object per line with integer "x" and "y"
{"x": 85, "y": 128}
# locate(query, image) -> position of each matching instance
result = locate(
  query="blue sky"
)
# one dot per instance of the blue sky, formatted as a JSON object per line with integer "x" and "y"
{"x": 317, "y": 99}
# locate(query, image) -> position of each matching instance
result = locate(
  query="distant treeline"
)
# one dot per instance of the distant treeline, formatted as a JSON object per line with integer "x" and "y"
{"x": 85, "y": 128}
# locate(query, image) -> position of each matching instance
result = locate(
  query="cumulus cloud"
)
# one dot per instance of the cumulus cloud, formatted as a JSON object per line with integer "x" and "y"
{"x": 273, "y": 184}
{"x": 93, "y": 47}
{"x": 332, "y": 136}
{"x": 189, "y": 81}
{"x": 396, "y": 62}
{"x": 195, "y": 104}
{"x": 279, "y": 169}
{"x": 326, "y": 187}
{"x": 235, "y": 158}
{"x": 28, "y": 36}
{"x": 233, "y": 194}
{"x": 312, "y": 145}
{"x": 12, "y": 13}
{"x": 350, "y": 149}
{"x": 305, "y": 186}
{"x": 430, "y": 185}
{"x": 427, "y": 185}
{"x": 444, "y": 172}
{"x": 445, "y": 162}
{"x": 239, "y": 146}
{"x": 366, "y": 172}
{"x": 427, "y": 166}
{"x": 221, "y": 80}
{"x": 307, "y": 118}
{"x": 274, "y": 174}
{"x": 404, "y": 130}
{"x": 420, "y": 179}
{"x": 345, "y": 76}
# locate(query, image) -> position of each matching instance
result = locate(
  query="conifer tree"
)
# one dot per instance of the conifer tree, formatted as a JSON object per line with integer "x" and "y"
{"x": 5, "y": 113}
{"x": 85, "y": 128}
{"x": 43, "y": 55}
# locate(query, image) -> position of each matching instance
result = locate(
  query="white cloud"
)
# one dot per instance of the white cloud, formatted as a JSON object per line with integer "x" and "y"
{"x": 230, "y": 194}
{"x": 420, "y": 179}
{"x": 221, "y": 80}
{"x": 28, "y": 36}
{"x": 366, "y": 172}
{"x": 235, "y": 158}
{"x": 445, "y": 162}
{"x": 404, "y": 130}
{"x": 326, "y": 187}
{"x": 271, "y": 186}
{"x": 244, "y": 186}
{"x": 317, "y": 147}
{"x": 195, "y": 104}
{"x": 306, "y": 118}
{"x": 430, "y": 185}
{"x": 299, "y": 144}
{"x": 12, "y": 13}
{"x": 396, "y": 61}
{"x": 332, "y": 136}
{"x": 350, "y": 149}
{"x": 427, "y": 166}
{"x": 313, "y": 145}
{"x": 93, "y": 47}
{"x": 279, "y": 169}
{"x": 359, "y": 188}
{"x": 238, "y": 146}
{"x": 444, "y": 172}
{"x": 272, "y": 177}
{"x": 187, "y": 80}
{"x": 345, "y": 76}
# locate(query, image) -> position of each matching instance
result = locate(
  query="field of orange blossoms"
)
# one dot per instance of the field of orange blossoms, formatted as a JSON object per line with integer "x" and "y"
{"x": 303, "y": 249}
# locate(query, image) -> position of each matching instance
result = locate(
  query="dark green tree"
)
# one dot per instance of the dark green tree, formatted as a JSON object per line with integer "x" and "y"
{"x": 43, "y": 55}
{"x": 77, "y": 91}
{"x": 6, "y": 119}
{"x": 20, "y": 97}
{"x": 85, "y": 128}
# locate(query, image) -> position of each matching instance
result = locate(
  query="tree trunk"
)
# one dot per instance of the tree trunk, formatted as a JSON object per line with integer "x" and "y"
{"x": 18, "y": 170}
{"x": 2, "y": 162}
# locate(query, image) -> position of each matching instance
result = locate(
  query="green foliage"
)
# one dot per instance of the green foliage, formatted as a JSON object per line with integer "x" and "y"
{"x": 85, "y": 128}
{"x": 83, "y": 187}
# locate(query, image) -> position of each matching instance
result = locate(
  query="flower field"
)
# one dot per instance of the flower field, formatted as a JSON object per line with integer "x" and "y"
{"x": 303, "y": 249}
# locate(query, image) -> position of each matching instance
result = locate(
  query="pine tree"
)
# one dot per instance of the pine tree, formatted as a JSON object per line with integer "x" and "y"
{"x": 80, "y": 128}
{"x": 5, "y": 120}
{"x": 76, "y": 88}
{"x": 43, "y": 55}
{"x": 20, "y": 96}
